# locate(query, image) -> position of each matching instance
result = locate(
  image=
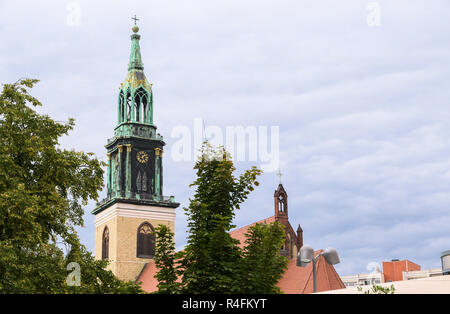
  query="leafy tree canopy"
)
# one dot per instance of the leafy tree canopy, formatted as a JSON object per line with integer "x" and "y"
{"x": 212, "y": 262}
{"x": 43, "y": 189}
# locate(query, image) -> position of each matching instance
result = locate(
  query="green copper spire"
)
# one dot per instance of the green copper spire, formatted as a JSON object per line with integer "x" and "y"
{"x": 135, "y": 55}
{"x": 135, "y": 104}
{"x": 135, "y": 153}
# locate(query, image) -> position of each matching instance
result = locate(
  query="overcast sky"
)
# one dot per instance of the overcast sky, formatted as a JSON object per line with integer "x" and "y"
{"x": 362, "y": 104}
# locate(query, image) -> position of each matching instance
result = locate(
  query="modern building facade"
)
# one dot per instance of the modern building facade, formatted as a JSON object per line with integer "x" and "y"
{"x": 393, "y": 270}
{"x": 423, "y": 273}
{"x": 374, "y": 278}
{"x": 429, "y": 285}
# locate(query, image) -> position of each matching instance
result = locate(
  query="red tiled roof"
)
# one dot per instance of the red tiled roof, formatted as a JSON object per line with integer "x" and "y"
{"x": 295, "y": 280}
{"x": 299, "y": 280}
{"x": 239, "y": 234}
{"x": 147, "y": 277}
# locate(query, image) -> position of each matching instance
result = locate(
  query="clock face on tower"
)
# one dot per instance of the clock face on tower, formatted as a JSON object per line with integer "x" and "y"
{"x": 142, "y": 157}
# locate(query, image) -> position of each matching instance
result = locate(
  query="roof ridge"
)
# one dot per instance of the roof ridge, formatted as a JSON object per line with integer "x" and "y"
{"x": 307, "y": 281}
{"x": 337, "y": 276}
{"x": 140, "y": 273}
{"x": 324, "y": 263}
{"x": 251, "y": 224}
{"x": 311, "y": 272}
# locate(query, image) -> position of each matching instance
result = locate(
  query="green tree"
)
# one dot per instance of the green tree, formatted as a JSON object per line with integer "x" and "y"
{"x": 376, "y": 289}
{"x": 212, "y": 261}
{"x": 262, "y": 265}
{"x": 167, "y": 274}
{"x": 43, "y": 189}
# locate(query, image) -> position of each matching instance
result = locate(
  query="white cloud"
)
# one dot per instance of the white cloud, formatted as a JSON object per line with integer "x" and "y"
{"x": 363, "y": 111}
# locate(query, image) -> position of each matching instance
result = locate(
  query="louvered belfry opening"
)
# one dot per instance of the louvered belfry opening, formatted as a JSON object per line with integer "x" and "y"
{"x": 281, "y": 203}
{"x": 140, "y": 102}
{"x": 145, "y": 241}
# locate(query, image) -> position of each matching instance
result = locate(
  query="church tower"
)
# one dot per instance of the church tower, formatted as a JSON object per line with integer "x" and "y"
{"x": 293, "y": 241}
{"x": 135, "y": 204}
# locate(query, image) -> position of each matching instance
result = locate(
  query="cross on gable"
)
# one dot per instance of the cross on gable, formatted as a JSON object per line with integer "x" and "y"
{"x": 279, "y": 174}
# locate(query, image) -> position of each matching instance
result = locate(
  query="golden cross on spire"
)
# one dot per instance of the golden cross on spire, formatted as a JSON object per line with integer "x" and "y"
{"x": 135, "y": 19}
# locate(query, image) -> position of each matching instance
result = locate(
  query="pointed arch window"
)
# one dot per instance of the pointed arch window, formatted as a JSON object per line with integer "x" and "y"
{"x": 281, "y": 203}
{"x": 145, "y": 241}
{"x": 150, "y": 108}
{"x": 144, "y": 182}
{"x": 105, "y": 243}
{"x": 141, "y": 102}
{"x": 121, "y": 107}
{"x": 141, "y": 181}
{"x": 128, "y": 104}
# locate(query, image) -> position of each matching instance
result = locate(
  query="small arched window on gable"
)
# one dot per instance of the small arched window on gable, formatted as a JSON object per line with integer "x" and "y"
{"x": 145, "y": 241}
{"x": 105, "y": 244}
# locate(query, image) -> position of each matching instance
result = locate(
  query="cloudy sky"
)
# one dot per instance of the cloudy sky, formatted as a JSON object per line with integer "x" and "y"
{"x": 359, "y": 90}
